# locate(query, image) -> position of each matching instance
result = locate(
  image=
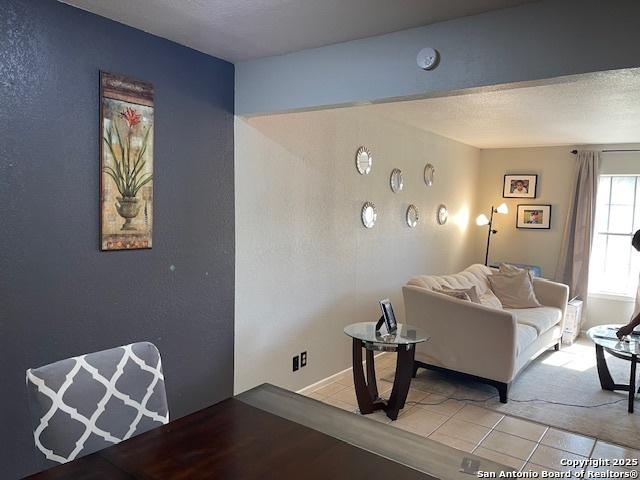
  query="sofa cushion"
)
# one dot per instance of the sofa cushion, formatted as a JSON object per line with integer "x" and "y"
{"x": 473, "y": 275}
{"x": 526, "y": 335}
{"x": 540, "y": 318}
{"x": 515, "y": 290}
{"x": 460, "y": 294}
{"x": 489, "y": 299}
{"x": 472, "y": 292}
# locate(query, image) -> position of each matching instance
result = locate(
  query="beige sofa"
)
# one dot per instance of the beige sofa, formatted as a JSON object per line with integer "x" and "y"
{"x": 484, "y": 342}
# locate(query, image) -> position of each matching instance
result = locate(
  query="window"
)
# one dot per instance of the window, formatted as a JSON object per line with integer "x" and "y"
{"x": 614, "y": 262}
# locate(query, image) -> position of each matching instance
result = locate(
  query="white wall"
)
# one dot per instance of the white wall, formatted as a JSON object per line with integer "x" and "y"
{"x": 305, "y": 265}
{"x": 602, "y": 310}
{"x": 554, "y": 167}
{"x": 606, "y": 309}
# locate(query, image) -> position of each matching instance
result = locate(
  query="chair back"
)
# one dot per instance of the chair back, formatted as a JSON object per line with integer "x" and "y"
{"x": 83, "y": 404}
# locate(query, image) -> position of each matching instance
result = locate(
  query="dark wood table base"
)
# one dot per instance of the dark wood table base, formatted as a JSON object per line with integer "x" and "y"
{"x": 367, "y": 389}
{"x": 606, "y": 381}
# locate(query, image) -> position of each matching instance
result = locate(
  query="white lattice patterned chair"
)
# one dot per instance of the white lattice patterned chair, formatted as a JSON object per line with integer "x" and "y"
{"x": 86, "y": 403}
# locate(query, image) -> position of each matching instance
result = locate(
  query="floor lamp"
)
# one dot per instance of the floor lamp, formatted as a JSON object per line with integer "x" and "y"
{"x": 482, "y": 220}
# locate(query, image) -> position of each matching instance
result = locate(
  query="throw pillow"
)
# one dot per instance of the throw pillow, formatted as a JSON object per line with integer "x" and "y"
{"x": 514, "y": 290}
{"x": 454, "y": 293}
{"x": 489, "y": 299}
{"x": 508, "y": 268}
{"x": 471, "y": 292}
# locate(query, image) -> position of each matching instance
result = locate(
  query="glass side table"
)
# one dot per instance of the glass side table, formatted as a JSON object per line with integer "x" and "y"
{"x": 403, "y": 341}
{"x": 605, "y": 338}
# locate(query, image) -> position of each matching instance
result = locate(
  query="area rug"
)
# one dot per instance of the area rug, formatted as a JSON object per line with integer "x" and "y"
{"x": 560, "y": 389}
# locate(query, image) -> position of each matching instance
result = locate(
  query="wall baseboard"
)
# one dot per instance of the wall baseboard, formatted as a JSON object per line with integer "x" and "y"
{"x": 330, "y": 379}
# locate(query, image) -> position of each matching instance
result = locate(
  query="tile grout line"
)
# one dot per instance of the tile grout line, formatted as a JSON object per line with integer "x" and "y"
{"x": 536, "y": 448}
{"x": 478, "y": 445}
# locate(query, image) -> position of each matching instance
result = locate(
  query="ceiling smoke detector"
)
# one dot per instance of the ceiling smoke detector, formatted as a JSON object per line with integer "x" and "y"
{"x": 428, "y": 58}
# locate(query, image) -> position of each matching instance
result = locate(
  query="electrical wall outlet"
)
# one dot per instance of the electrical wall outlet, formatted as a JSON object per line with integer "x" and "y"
{"x": 296, "y": 363}
{"x": 303, "y": 359}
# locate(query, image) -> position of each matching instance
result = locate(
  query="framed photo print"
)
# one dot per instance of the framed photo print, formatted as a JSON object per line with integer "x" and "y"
{"x": 388, "y": 315}
{"x": 520, "y": 186}
{"x": 535, "y": 217}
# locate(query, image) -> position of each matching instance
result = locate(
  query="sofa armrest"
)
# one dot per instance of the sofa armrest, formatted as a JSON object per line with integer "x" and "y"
{"x": 552, "y": 294}
{"x": 464, "y": 336}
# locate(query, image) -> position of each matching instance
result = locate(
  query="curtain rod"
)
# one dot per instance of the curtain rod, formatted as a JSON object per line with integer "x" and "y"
{"x": 609, "y": 151}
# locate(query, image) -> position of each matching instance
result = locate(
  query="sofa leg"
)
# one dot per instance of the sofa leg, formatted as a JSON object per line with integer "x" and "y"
{"x": 557, "y": 347}
{"x": 503, "y": 391}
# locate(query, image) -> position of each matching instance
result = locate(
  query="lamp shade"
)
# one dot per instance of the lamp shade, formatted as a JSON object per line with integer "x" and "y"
{"x": 482, "y": 220}
{"x": 503, "y": 209}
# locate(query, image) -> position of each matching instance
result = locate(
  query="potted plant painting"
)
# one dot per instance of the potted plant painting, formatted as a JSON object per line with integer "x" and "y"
{"x": 126, "y": 163}
{"x": 129, "y": 162}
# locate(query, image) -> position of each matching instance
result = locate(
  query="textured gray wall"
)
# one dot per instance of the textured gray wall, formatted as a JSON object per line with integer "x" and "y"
{"x": 60, "y": 296}
{"x": 531, "y": 42}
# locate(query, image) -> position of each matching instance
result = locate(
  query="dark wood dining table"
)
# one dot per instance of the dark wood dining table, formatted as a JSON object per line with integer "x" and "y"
{"x": 240, "y": 438}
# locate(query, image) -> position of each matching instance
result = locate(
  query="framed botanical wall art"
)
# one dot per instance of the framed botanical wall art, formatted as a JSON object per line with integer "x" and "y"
{"x": 126, "y": 163}
{"x": 535, "y": 217}
{"x": 520, "y": 186}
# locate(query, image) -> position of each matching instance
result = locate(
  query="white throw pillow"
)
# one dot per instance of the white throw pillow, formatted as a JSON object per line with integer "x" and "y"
{"x": 508, "y": 268}
{"x": 489, "y": 299}
{"x": 461, "y": 295}
{"x": 515, "y": 290}
{"x": 471, "y": 292}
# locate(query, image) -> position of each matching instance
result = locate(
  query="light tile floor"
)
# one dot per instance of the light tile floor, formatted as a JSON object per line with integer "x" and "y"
{"x": 511, "y": 441}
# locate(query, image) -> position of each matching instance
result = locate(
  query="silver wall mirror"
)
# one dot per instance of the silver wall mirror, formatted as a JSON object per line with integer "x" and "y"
{"x": 396, "y": 180}
{"x": 412, "y": 216}
{"x": 363, "y": 160}
{"x": 429, "y": 173}
{"x": 369, "y": 215}
{"x": 443, "y": 214}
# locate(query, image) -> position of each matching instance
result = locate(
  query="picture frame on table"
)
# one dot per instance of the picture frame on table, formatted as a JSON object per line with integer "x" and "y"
{"x": 520, "y": 186}
{"x": 533, "y": 217}
{"x": 389, "y": 316}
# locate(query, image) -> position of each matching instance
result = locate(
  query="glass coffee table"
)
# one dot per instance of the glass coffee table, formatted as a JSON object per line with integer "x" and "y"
{"x": 403, "y": 341}
{"x": 605, "y": 339}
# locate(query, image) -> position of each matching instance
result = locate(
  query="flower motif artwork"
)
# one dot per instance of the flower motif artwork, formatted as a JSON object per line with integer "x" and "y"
{"x": 131, "y": 116}
{"x": 126, "y": 159}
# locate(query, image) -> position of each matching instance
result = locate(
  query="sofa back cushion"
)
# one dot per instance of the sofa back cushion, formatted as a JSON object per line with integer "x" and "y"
{"x": 475, "y": 275}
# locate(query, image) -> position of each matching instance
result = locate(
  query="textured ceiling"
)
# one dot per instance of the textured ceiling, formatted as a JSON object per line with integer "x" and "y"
{"x": 590, "y": 109}
{"x": 238, "y": 30}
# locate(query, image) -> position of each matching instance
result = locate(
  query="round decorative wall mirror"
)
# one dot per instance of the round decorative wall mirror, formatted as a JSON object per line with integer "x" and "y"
{"x": 429, "y": 173}
{"x": 443, "y": 214}
{"x": 412, "y": 216}
{"x": 363, "y": 160}
{"x": 369, "y": 215}
{"x": 396, "y": 180}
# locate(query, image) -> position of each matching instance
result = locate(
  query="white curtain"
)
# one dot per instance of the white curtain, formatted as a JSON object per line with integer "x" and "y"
{"x": 573, "y": 263}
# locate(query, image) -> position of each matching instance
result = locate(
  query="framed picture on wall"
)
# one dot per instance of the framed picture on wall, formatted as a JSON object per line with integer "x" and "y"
{"x": 534, "y": 217}
{"x": 520, "y": 186}
{"x": 126, "y": 163}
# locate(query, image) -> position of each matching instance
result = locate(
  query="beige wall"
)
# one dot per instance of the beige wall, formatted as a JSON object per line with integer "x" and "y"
{"x": 555, "y": 168}
{"x": 305, "y": 265}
